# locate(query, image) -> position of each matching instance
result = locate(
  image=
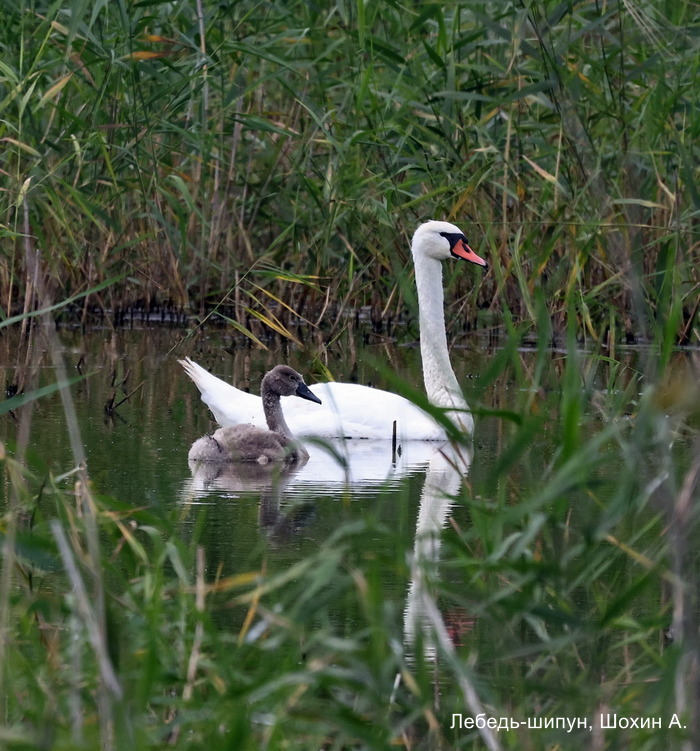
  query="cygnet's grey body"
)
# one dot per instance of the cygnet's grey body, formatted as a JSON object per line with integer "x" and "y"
{"x": 247, "y": 443}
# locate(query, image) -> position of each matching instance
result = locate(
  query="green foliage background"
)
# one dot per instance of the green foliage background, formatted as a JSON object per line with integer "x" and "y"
{"x": 211, "y": 147}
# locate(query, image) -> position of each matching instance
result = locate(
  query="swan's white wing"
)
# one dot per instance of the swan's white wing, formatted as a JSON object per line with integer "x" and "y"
{"x": 348, "y": 410}
{"x": 229, "y": 405}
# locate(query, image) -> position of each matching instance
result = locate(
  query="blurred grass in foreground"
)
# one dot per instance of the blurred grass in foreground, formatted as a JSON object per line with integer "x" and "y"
{"x": 566, "y": 581}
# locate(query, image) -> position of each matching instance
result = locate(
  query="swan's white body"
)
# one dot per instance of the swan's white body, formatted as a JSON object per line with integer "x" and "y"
{"x": 351, "y": 410}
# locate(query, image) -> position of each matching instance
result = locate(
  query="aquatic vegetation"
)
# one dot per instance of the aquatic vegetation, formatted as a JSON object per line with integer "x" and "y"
{"x": 557, "y": 589}
{"x": 264, "y": 165}
{"x": 270, "y": 161}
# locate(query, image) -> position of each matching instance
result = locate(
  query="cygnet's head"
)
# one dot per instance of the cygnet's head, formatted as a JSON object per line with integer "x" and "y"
{"x": 442, "y": 240}
{"x": 285, "y": 381}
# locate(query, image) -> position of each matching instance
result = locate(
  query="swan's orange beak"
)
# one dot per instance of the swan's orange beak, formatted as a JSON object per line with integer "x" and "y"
{"x": 461, "y": 250}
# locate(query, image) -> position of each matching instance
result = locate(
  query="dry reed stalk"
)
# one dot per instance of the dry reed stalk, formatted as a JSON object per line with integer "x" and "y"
{"x": 91, "y": 607}
{"x": 195, "y": 654}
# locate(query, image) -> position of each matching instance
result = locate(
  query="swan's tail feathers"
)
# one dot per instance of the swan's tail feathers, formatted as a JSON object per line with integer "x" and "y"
{"x": 196, "y": 372}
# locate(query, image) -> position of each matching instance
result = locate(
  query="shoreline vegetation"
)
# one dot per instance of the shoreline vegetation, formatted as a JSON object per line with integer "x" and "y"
{"x": 267, "y": 164}
{"x": 275, "y": 159}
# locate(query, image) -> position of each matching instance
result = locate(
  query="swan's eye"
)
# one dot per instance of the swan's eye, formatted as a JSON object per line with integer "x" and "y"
{"x": 453, "y": 238}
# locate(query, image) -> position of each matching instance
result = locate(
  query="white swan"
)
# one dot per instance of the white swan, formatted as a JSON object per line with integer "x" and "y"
{"x": 249, "y": 443}
{"x": 354, "y": 411}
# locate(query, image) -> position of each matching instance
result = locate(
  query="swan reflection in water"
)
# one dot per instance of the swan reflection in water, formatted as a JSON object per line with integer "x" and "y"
{"x": 362, "y": 466}
{"x": 424, "y": 623}
{"x": 334, "y": 468}
{"x": 445, "y": 473}
{"x": 365, "y": 466}
{"x": 286, "y": 490}
{"x": 356, "y": 467}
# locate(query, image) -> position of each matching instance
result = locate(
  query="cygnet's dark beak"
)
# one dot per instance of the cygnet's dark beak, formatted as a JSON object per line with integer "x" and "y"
{"x": 305, "y": 393}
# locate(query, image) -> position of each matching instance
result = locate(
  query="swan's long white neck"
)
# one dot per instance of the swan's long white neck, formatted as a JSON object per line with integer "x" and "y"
{"x": 441, "y": 385}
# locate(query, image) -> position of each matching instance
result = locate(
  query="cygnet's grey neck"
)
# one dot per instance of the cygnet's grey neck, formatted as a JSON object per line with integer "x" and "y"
{"x": 441, "y": 385}
{"x": 273, "y": 411}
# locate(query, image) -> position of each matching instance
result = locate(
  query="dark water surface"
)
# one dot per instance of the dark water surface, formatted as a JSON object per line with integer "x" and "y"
{"x": 138, "y": 454}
